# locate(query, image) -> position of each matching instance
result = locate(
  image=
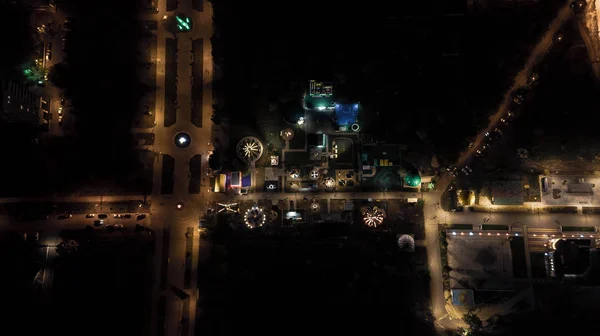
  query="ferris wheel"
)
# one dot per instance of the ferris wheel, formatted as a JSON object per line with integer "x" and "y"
{"x": 249, "y": 149}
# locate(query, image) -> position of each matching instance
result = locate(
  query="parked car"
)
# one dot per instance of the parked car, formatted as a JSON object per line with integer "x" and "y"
{"x": 65, "y": 216}
{"x": 102, "y": 216}
{"x": 90, "y": 215}
{"x": 467, "y": 170}
{"x": 99, "y": 222}
{"x": 452, "y": 171}
{"x": 482, "y": 150}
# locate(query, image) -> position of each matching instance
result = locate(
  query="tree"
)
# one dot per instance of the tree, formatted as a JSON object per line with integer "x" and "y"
{"x": 214, "y": 161}
{"x": 58, "y": 75}
{"x": 473, "y": 321}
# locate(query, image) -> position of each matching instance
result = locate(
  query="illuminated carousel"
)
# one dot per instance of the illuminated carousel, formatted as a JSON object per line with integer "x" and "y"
{"x": 255, "y": 217}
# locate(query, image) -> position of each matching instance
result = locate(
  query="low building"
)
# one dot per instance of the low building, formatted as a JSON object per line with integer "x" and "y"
{"x": 33, "y": 5}
{"x": 506, "y": 193}
{"x": 319, "y": 96}
{"x": 19, "y": 104}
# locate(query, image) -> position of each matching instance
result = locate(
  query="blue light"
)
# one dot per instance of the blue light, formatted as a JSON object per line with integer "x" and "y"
{"x": 337, "y": 106}
{"x": 356, "y": 106}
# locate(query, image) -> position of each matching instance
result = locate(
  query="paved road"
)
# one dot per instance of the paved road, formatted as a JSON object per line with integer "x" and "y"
{"x": 537, "y": 54}
{"x": 590, "y": 42}
{"x": 180, "y": 319}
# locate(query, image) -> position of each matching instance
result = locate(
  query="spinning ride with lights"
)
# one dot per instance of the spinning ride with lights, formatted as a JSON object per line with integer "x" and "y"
{"x": 315, "y": 207}
{"x": 287, "y": 134}
{"x": 294, "y": 174}
{"x": 314, "y": 174}
{"x": 329, "y": 183}
{"x": 249, "y": 149}
{"x": 373, "y": 216}
{"x": 255, "y": 217}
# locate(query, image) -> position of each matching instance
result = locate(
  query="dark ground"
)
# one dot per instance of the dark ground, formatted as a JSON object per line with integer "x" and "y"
{"x": 101, "y": 81}
{"x": 411, "y": 71}
{"x": 304, "y": 285}
{"x": 104, "y": 289}
{"x": 556, "y": 125}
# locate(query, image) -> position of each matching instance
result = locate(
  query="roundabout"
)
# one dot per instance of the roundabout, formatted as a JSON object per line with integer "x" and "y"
{"x": 182, "y": 140}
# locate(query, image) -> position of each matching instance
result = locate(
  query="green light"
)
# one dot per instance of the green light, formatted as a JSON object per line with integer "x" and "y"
{"x": 27, "y": 71}
{"x": 413, "y": 180}
{"x": 183, "y": 25}
{"x": 431, "y": 185}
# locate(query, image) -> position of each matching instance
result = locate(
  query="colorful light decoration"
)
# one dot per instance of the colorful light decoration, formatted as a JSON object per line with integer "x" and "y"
{"x": 255, "y": 217}
{"x": 184, "y": 24}
{"x": 229, "y": 207}
{"x": 373, "y": 216}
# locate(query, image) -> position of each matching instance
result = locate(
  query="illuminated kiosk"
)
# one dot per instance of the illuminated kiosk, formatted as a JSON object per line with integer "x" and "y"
{"x": 182, "y": 140}
{"x": 255, "y": 217}
{"x": 373, "y": 216}
{"x": 293, "y": 217}
{"x": 249, "y": 149}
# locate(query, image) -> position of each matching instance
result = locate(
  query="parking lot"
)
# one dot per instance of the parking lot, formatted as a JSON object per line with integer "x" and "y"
{"x": 570, "y": 190}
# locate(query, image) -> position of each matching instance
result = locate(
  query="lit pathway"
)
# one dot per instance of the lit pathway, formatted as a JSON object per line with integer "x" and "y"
{"x": 181, "y": 225}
